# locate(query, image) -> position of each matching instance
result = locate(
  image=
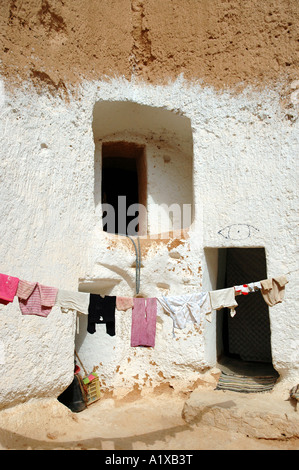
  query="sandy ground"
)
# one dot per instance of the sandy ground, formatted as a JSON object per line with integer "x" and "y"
{"x": 149, "y": 422}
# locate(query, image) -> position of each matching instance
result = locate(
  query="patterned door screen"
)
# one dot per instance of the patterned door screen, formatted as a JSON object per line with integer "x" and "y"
{"x": 248, "y": 332}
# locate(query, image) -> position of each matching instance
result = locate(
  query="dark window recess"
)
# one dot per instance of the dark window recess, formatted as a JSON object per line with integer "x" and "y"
{"x": 120, "y": 177}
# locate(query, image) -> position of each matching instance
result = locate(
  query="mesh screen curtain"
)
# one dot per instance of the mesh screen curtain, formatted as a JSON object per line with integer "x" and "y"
{"x": 249, "y": 330}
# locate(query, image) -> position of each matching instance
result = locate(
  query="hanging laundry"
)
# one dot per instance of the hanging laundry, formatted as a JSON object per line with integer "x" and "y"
{"x": 101, "y": 310}
{"x": 273, "y": 289}
{"x": 35, "y": 298}
{"x": 224, "y": 298}
{"x": 254, "y": 286}
{"x": 124, "y": 303}
{"x": 8, "y": 288}
{"x": 144, "y": 316}
{"x": 76, "y": 301}
{"x": 241, "y": 290}
{"x": 247, "y": 288}
{"x": 186, "y": 308}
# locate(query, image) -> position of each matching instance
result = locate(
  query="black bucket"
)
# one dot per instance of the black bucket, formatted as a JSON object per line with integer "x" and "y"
{"x": 73, "y": 397}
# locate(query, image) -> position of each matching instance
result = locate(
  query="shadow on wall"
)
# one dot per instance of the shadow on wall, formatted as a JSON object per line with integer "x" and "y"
{"x": 125, "y": 116}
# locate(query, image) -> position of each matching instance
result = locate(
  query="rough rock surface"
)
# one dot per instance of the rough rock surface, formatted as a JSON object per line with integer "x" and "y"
{"x": 257, "y": 415}
{"x": 48, "y": 165}
{"x": 149, "y": 422}
{"x": 222, "y": 43}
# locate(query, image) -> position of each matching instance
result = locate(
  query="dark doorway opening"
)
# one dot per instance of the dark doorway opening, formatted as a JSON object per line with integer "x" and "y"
{"x": 244, "y": 340}
{"x": 123, "y": 187}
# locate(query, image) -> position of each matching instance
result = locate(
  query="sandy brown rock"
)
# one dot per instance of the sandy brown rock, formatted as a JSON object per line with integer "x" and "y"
{"x": 221, "y": 43}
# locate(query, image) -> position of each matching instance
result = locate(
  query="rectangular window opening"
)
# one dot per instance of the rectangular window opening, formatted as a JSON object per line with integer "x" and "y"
{"x": 124, "y": 188}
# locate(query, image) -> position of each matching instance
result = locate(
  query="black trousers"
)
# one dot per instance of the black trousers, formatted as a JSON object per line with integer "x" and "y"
{"x": 101, "y": 310}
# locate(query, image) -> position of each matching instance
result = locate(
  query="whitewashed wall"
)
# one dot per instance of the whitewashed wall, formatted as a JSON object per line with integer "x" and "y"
{"x": 245, "y": 172}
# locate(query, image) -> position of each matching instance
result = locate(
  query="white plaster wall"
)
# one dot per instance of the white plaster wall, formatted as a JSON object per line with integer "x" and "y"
{"x": 245, "y": 172}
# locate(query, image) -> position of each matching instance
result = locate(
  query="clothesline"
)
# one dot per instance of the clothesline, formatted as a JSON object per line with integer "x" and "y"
{"x": 37, "y": 299}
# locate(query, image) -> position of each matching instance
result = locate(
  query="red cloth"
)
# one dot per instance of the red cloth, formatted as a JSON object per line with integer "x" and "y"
{"x": 8, "y": 288}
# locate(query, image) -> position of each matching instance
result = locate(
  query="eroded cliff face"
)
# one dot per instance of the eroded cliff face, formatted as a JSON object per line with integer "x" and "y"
{"x": 132, "y": 53}
{"x": 217, "y": 42}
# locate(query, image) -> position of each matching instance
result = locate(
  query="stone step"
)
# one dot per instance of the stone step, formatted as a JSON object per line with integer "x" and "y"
{"x": 259, "y": 415}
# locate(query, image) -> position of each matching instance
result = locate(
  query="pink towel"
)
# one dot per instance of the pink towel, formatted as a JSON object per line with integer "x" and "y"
{"x": 143, "y": 330}
{"x": 36, "y": 299}
{"x": 8, "y": 288}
